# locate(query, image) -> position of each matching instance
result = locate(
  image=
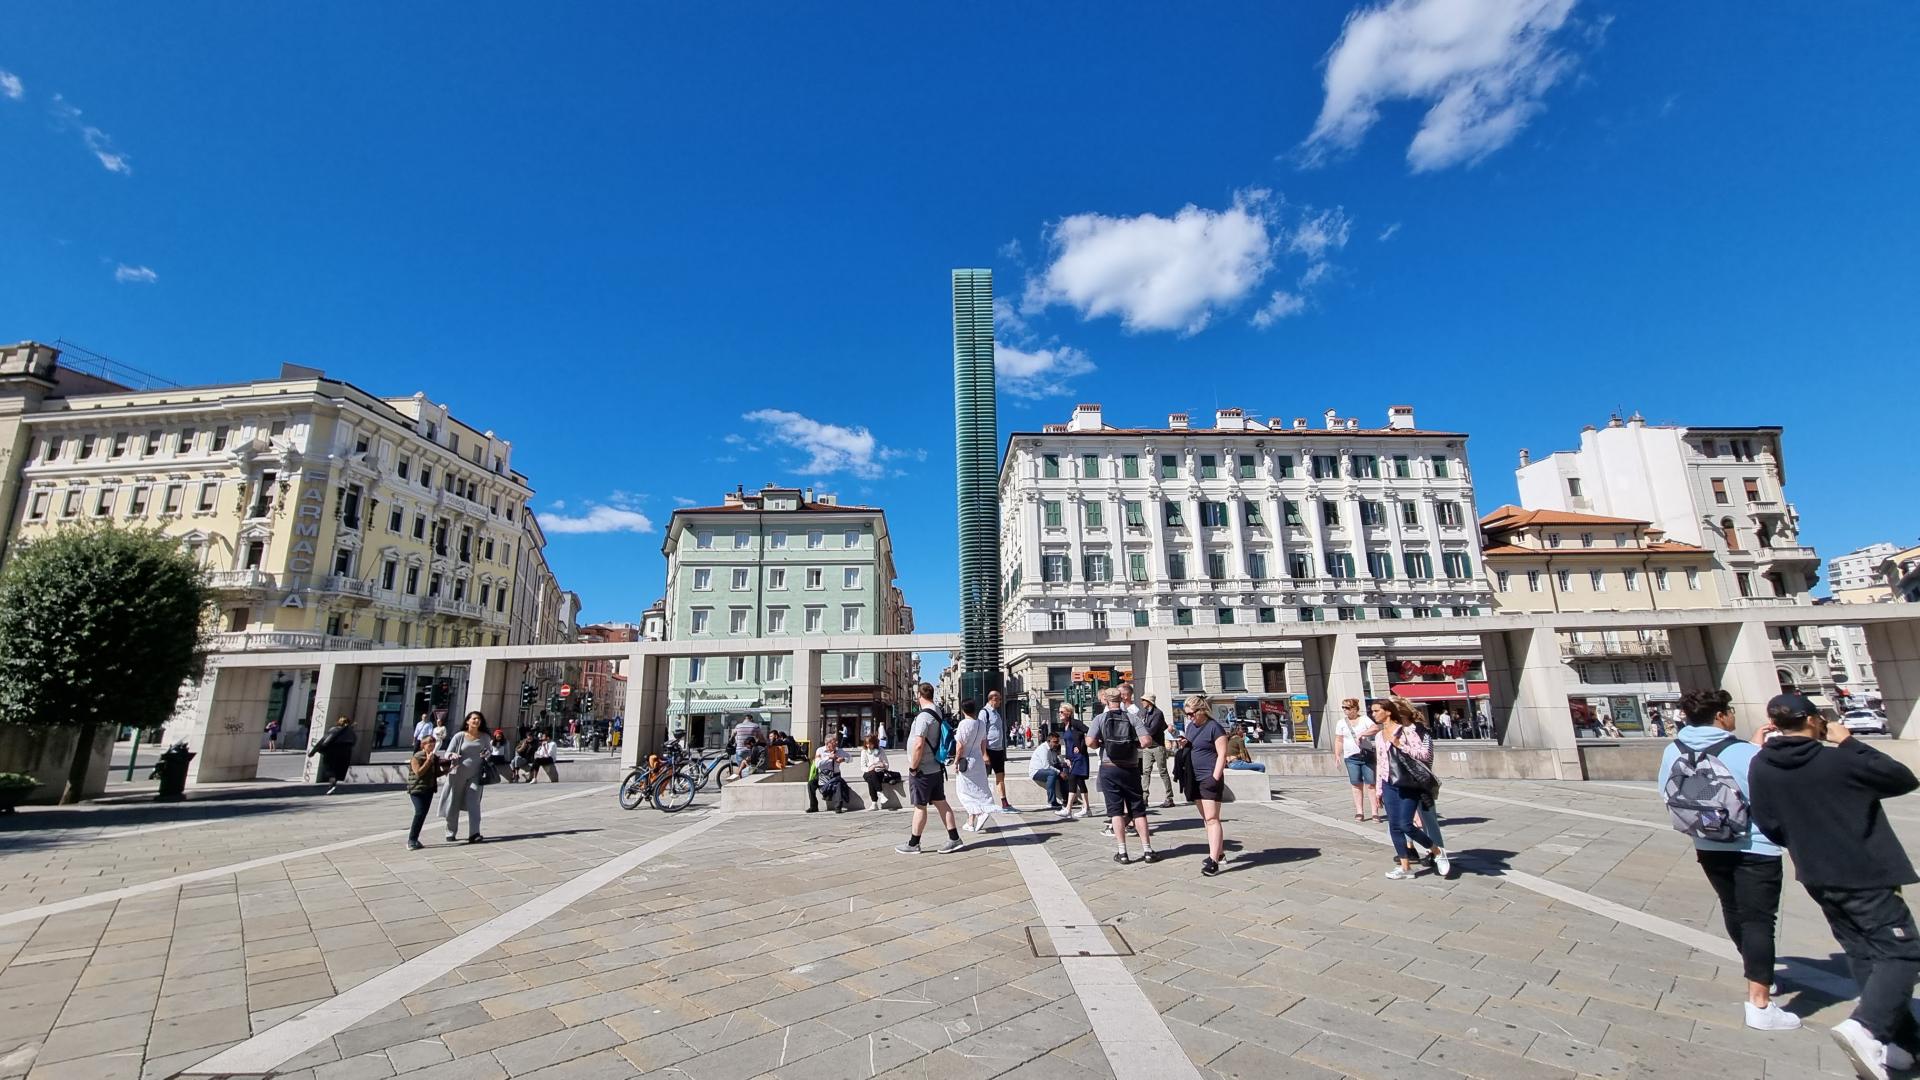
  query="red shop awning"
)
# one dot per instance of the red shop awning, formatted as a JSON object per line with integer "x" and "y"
{"x": 1438, "y": 691}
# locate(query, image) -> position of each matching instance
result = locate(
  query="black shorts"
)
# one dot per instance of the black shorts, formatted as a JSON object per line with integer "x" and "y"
{"x": 925, "y": 789}
{"x": 1212, "y": 789}
{"x": 1121, "y": 786}
{"x": 1075, "y": 785}
{"x": 997, "y": 761}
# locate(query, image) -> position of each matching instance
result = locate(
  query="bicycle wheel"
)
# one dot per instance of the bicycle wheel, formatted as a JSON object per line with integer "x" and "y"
{"x": 675, "y": 793}
{"x": 633, "y": 790}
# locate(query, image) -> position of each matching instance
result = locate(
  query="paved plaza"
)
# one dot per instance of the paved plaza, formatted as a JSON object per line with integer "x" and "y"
{"x": 294, "y": 936}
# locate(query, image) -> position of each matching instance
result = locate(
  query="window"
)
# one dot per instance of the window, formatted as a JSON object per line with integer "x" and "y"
{"x": 1256, "y": 565}
{"x": 1744, "y": 581}
{"x": 1090, "y": 465}
{"x": 1449, "y": 512}
{"x": 1632, "y": 580}
{"x": 1565, "y": 580}
{"x": 343, "y": 562}
{"x": 737, "y": 620}
{"x": 778, "y": 541}
{"x": 1183, "y": 616}
{"x": 777, "y": 620}
{"x": 702, "y": 578}
{"x": 736, "y": 668}
{"x": 1253, "y": 516}
{"x": 1350, "y": 614}
{"x": 1233, "y": 677}
{"x": 1173, "y": 518}
{"x": 1298, "y": 567}
{"x": 1439, "y": 462}
{"x": 1223, "y": 616}
{"x": 700, "y": 616}
{"x": 850, "y": 577}
{"x": 1660, "y": 580}
{"x": 703, "y": 540}
{"x": 1135, "y": 519}
{"x": 51, "y": 448}
{"x": 816, "y": 578}
{"x": 1329, "y": 513}
{"x": 1213, "y": 515}
{"x": 850, "y": 666}
{"x": 1056, "y": 620}
{"x": 433, "y": 585}
{"x": 1137, "y": 566}
{"x": 1059, "y": 680}
{"x": 103, "y": 502}
{"x": 1283, "y": 465}
{"x": 174, "y": 499}
{"x": 1176, "y": 566}
{"x": 1246, "y": 466}
{"x": 1719, "y": 491}
{"x": 1096, "y": 516}
{"x": 1409, "y": 515}
{"x": 413, "y": 581}
{"x": 1290, "y": 511}
{"x": 1130, "y": 466}
{"x": 1099, "y": 620}
{"x": 815, "y": 616}
{"x": 1365, "y": 467}
{"x": 1380, "y": 565}
{"x": 1209, "y": 467}
{"x": 1752, "y": 487}
{"x": 1098, "y": 568}
{"x": 1402, "y": 469}
{"x": 740, "y": 541}
{"x": 1372, "y": 515}
{"x": 426, "y": 477}
{"x": 37, "y": 509}
{"x": 1533, "y": 581}
{"x": 1573, "y": 487}
{"x": 120, "y": 443}
{"x": 1456, "y": 564}
{"x": 70, "y": 506}
{"x": 396, "y": 519}
{"x": 138, "y": 508}
{"x": 815, "y": 538}
{"x": 1339, "y": 564}
{"x": 696, "y": 669}
{"x": 1586, "y": 540}
{"x": 739, "y": 582}
{"x": 1050, "y": 466}
{"x": 154, "y": 438}
{"x": 1326, "y": 466}
{"x": 87, "y": 445}
{"x": 1169, "y": 467}
{"x": 1310, "y": 614}
{"x": 850, "y": 539}
{"x": 1267, "y": 615}
{"x": 1500, "y": 580}
{"x": 1419, "y": 565}
{"x": 1216, "y": 566}
{"x": 1053, "y": 568}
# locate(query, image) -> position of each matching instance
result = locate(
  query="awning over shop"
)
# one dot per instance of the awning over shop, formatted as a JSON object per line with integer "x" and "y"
{"x": 711, "y": 705}
{"x": 1438, "y": 691}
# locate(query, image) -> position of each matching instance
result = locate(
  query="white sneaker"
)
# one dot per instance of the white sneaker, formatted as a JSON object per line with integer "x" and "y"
{"x": 1868, "y": 1054}
{"x": 1063, "y": 812}
{"x": 968, "y": 827}
{"x": 1078, "y": 814}
{"x": 1898, "y": 1059}
{"x": 1397, "y": 874}
{"x": 1442, "y": 864}
{"x": 1771, "y": 1018}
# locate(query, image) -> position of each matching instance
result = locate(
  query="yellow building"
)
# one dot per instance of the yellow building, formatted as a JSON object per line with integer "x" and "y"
{"x": 327, "y": 517}
{"x": 1555, "y": 560}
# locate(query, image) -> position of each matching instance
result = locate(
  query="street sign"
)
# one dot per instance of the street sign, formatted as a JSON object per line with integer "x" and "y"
{"x": 566, "y": 690}
{"x": 1459, "y": 686}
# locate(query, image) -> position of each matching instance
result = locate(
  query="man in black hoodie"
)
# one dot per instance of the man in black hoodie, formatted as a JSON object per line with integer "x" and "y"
{"x": 1822, "y": 803}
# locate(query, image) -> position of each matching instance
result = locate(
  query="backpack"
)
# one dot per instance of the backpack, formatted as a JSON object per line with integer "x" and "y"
{"x": 1703, "y": 796}
{"x": 1119, "y": 741}
{"x": 943, "y": 745}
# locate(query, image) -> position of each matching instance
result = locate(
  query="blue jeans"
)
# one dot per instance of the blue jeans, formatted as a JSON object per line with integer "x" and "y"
{"x": 1253, "y": 765}
{"x": 1400, "y": 806}
{"x": 1430, "y": 821}
{"x": 1050, "y": 780}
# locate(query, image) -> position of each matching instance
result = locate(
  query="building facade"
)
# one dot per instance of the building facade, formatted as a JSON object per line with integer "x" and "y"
{"x": 1719, "y": 488}
{"x": 1246, "y": 521}
{"x": 976, "y": 438}
{"x": 1901, "y": 572}
{"x": 773, "y": 563}
{"x": 1541, "y": 561}
{"x": 606, "y": 680}
{"x": 326, "y": 517}
{"x": 1855, "y": 578}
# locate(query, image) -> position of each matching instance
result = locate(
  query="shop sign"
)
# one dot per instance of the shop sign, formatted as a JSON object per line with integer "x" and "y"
{"x": 1413, "y": 670}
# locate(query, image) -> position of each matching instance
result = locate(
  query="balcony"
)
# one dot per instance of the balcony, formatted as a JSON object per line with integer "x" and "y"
{"x": 242, "y": 580}
{"x": 284, "y": 641}
{"x": 1788, "y": 553}
{"x": 1769, "y": 601}
{"x": 350, "y": 587}
{"x": 1633, "y": 647}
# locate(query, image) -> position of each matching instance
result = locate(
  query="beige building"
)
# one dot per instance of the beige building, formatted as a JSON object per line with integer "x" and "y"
{"x": 1549, "y": 561}
{"x": 327, "y": 517}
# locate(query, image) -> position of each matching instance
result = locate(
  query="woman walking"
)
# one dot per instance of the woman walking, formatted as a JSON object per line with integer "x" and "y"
{"x": 970, "y": 760}
{"x": 873, "y": 767}
{"x": 1399, "y": 734}
{"x": 336, "y": 752}
{"x": 1073, "y": 744}
{"x": 466, "y": 758}
{"x": 423, "y": 771}
{"x": 1208, "y": 740}
{"x": 1353, "y": 751}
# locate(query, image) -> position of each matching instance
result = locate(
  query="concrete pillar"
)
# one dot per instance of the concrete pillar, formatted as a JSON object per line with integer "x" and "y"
{"x": 1894, "y": 648}
{"x": 336, "y": 692}
{"x": 1152, "y": 660}
{"x": 1540, "y": 718}
{"x": 1693, "y": 667}
{"x": 487, "y": 691}
{"x": 1503, "y": 682}
{"x": 1332, "y": 668}
{"x": 224, "y": 727}
{"x": 646, "y": 723}
{"x": 1740, "y": 660}
{"x": 807, "y": 717}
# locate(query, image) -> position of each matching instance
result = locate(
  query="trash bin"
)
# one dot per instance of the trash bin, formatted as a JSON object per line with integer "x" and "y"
{"x": 171, "y": 770}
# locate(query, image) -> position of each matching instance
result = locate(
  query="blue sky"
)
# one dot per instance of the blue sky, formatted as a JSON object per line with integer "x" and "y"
{"x": 670, "y": 249}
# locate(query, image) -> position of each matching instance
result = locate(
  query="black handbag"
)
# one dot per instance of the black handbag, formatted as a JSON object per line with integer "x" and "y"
{"x": 1407, "y": 773}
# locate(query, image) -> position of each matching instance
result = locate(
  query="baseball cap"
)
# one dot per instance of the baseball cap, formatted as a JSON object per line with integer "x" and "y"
{"x": 1791, "y": 705}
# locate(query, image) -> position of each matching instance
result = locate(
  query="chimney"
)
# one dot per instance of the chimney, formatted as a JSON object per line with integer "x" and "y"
{"x": 1614, "y": 421}
{"x": 1085, "y": 418}
{"x": 1299, "y": 423}
{"x": 1177, "y": 421}
{"x": 1333, "y": 420}
{"x": 807, "y": 495}
{"x": 732, "y": 498}
{"x": 1525, "y": 457}
{"x": 1353, "y": 423}
{"x": 829, "y": 500}
{"x": 1230, "y": 420}
{"x": 1400, "y": 417}
{"x": 1636, "y": 420}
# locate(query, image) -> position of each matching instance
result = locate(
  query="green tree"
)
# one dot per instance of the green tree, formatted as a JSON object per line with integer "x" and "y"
{"x": 98, "y": 626}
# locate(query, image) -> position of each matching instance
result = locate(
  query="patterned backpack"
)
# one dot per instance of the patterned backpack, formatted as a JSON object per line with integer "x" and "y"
{"x": 1703, "y": 796}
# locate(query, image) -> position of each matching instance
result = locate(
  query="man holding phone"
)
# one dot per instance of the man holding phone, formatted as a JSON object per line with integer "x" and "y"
{"x": 1817, "y": 792}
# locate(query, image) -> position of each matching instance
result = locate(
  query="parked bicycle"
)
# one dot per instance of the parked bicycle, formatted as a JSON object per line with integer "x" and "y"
{"x": 663, "y": 780}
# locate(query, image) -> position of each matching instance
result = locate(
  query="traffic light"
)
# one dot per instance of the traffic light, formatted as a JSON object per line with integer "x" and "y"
{"x": 553, "y": 703}
{"x": 586, "y": 705}
{"x": 527, "y": 695}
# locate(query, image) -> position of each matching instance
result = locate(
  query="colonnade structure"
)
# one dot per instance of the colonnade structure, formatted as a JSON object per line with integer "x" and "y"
{"x": 1527, "y": 679}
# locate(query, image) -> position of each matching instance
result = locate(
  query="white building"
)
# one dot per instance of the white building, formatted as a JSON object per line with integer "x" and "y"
{"x": 1720, "y": 488}
{"x": 1848, "y": 664}
{"x": 1855, "y": 578}
{"x": 1247, "y": 521}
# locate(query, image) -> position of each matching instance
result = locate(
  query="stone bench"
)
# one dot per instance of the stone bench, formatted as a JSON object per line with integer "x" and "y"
{"x": 1247, "y": 785}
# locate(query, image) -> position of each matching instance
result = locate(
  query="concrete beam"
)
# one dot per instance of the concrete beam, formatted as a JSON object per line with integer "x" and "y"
{"x": 336, "y": 693}
{"x": 1895, "y": 650}
{"x": 1740, "y": 661}
{"x": 1333, "y": 672}
{"x": 1540, "y": 717}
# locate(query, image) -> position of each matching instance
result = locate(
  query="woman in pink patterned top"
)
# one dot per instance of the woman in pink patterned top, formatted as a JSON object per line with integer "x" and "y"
{"x": 1395, "y": 716}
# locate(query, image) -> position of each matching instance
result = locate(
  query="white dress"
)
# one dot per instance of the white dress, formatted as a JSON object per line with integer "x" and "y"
{"x": 976, "y": 793}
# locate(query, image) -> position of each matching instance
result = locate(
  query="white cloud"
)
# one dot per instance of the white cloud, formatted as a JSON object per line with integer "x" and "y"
{"x": 11, "y": 87}
{"x": 830, "y": 448}
{"x": 1279, "y": 306}
{"x": 1481, "y": 66}
{"x": 136, "y": 275}
{"x": 1157, "y": 273}
{"x": 1039, "y": 372}
{"x": 599, "y": 519}
{"x": 682, "y": 500}
{"x": 557, "y": 504}
{"x": 1387, "y": 233}
{"x": 67, "y": 117}
{"x": 1320, "y": 233}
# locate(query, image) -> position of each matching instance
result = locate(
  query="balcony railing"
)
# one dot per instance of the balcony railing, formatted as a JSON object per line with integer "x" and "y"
{"x": 1769, "y": 601}
{"x": 1615, "y": 648}
{"x": 350, "y": 586}
{"x": 284, "y": 641}
{"x": 241, "y": 579}
{"x": 1795, "y": 552}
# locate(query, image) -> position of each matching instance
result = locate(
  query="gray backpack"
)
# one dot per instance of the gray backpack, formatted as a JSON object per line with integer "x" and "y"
{"x": 1703, "y": 797}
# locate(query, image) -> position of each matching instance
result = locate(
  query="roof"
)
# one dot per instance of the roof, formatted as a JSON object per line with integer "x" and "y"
{"x": 1261, "y": 433}
{"x": 1515, "y": 517}
{"x": 805, "y": 507}
{"x": 1662, "y": 548}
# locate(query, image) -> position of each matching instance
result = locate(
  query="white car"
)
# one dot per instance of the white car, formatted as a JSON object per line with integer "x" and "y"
{"x": 1864, "y": 722}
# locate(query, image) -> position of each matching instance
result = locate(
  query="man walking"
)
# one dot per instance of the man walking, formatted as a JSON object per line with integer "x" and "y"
{"x": 1822, "y": 803}
{"x": 997, "y": 748}
{"x": 926, "y": 777}
{"x": 1120, "y": 739}
{"x": 1154, "y": 722}
{"x": 422, "y": 731}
